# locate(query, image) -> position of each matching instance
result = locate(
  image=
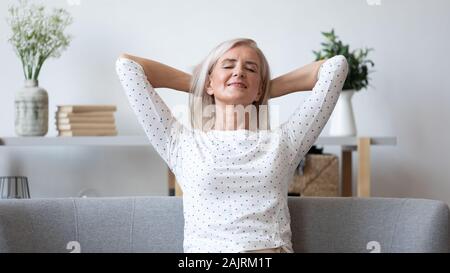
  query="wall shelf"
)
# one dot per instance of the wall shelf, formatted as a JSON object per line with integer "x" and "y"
{"x": 348, "y": 144}
{"x": 142, "y": 141}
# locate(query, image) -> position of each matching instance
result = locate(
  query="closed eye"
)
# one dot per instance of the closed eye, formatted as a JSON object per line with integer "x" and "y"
{"x": 249, "y": 69}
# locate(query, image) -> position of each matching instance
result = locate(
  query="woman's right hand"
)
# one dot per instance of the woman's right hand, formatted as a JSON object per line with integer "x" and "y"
{"x": 162, "y": 76}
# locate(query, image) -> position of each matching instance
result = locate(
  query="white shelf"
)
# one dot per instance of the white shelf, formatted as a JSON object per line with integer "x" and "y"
{"x": 75, "y": 141}
{"x": 353, "y": 141}
{"x": 143, "y": 141}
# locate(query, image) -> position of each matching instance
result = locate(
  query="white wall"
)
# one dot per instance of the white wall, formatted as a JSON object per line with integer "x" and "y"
{"x": 408, "y": 98}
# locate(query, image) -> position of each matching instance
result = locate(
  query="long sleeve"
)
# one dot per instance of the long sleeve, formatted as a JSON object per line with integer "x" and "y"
{"x": 160, "y": 126}
{"x": 306, "y": 123}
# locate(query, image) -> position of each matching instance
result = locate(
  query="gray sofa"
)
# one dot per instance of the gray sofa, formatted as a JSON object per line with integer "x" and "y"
{"x": 155, "y": 224}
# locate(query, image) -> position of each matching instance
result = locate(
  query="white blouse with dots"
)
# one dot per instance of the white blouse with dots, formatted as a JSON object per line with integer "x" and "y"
{"x": 234, "y": 183}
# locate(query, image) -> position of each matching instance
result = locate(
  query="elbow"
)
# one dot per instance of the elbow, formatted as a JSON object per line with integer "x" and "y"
{"x": 341, "y": 61}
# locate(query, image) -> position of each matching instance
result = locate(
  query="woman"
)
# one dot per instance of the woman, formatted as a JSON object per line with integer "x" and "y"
{"x": 234, "y": 175}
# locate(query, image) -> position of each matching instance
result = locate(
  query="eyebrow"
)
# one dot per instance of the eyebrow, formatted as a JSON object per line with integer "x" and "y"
{"x": 234, "y": 60}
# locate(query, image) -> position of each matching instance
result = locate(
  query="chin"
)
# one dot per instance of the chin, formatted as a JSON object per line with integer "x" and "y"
{"x": 238, "y": 103}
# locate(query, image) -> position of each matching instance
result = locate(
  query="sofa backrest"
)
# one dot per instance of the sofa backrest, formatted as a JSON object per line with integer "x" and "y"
{"x": 155, "y": 224}
{"x": 365, "y": 225}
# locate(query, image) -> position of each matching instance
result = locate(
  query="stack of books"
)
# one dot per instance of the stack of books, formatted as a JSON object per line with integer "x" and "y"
{"x": 86, "y": 120}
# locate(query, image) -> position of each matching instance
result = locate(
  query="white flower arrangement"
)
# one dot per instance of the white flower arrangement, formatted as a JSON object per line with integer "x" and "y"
{"x": 37, "y": 36}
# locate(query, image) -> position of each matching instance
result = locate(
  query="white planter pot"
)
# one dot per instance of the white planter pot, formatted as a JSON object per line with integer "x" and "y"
{"x": 31, "y": 110}
{"x": 342, "y": 118}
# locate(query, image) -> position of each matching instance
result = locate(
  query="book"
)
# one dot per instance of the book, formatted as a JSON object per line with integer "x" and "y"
{"x": 70, "y": 120}
{"x": 88, "y": 132}
{"x": 85, "y": 108}
{"x": 85, "y": 114}
{"x": 76, "y": 126}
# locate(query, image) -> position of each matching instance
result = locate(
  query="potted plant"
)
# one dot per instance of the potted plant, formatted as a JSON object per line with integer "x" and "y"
{"x": 36, "y": 36}
{"x": 342, "y": 119}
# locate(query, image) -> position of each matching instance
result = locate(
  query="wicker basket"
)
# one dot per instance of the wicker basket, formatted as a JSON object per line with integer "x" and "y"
{"x": 320, "y": 177}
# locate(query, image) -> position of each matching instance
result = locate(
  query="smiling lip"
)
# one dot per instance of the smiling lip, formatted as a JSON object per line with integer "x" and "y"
{"x": 238, "y": 84}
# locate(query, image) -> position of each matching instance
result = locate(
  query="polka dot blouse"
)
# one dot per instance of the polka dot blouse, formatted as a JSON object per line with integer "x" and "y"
{"x": 234, "y": 183}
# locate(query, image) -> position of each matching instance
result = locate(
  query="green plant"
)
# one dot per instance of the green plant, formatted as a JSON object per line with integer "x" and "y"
{"x": 36, "y": 36}
{"x": 358, "y": 74}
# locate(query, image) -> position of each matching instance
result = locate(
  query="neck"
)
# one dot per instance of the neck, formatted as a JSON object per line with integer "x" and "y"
{"x": 233, "y": 117}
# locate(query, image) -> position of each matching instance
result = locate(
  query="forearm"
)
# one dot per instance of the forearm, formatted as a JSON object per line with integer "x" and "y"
{"x": 301, "y": 79}
{"x": 310, "y": 117}
{"x": 162, "y": 76}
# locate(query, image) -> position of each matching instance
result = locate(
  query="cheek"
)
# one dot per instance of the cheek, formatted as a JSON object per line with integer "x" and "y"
{"x": 222, "y": 79}
{"x": 216, "y": 81}
{"x": 219, "y": 76}
{"x": 255, "y": 83}
{"x": 219, "y": 80}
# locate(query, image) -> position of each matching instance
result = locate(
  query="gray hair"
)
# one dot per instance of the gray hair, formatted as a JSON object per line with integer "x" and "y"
{"x": 200, "y": 99}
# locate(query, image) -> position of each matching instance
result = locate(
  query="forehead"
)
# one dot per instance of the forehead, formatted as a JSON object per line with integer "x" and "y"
{"x": 242, "y": 52}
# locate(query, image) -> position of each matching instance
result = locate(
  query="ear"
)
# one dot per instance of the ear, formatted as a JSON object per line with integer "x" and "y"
{"x": 209, "y": 88}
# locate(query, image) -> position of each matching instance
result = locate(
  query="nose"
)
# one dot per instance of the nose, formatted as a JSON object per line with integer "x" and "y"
{"x": 238, "y": 72}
